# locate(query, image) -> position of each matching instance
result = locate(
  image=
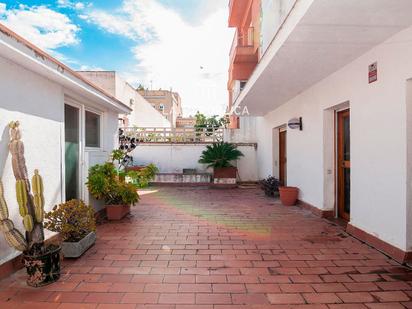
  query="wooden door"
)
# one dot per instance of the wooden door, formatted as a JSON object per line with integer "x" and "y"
{"x": 343, "y": 164}
{"x": 282, "y": 157}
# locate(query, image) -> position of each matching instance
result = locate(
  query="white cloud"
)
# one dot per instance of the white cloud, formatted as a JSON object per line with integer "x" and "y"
{"x": 192, "y": 59}
{"x": 71, "y": 4}
{"x": 2, "y": 8}
{"x": 42, "y": 26}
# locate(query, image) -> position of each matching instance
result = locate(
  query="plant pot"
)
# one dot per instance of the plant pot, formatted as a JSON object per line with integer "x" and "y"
{"x": 117, "y": 212}
{"x": 225, "y": 172}
{"x": 43, "y": 269}
{"x": 288, "y": 195}
{"x": 76, "y": 249}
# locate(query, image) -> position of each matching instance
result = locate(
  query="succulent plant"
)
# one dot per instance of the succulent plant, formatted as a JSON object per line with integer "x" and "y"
{"x": 31, "y": 206}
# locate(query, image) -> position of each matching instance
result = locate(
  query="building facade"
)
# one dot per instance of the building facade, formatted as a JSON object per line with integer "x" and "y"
{"x": 143, "y": 113}
{"x": 67, "y": 123}
{"x": 167, "y": 103}
{"x": 185, "y": 122}
{"x": 244, "y": 16}
{"x": 343, "y": 69}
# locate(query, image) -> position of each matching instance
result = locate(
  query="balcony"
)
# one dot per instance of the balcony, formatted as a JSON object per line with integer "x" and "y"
{"x": 237, "y": 9}
{"x": 243, "y": 48}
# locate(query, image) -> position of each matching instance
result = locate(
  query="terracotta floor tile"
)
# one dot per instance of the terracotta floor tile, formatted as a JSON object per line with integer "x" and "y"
{"x": 186, "y": 248}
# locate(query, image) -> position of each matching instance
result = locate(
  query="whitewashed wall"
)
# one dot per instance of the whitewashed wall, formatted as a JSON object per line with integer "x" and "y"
{"x": 173, "y": 158}
{"x": 379, "y": 129}
{"x": 38, "y": 104}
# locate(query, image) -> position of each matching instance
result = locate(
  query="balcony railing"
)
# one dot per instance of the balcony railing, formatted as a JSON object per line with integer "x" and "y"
{"x": 174, "y": 135}
{"x": 242, "y": 40}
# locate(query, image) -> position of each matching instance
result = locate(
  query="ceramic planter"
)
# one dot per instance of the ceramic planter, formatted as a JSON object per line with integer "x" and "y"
{"x": 43, "y": 269}
{"x": 117, "y": 212}
{"x": 76, "y": 249}
{"x": 288, "y": 195}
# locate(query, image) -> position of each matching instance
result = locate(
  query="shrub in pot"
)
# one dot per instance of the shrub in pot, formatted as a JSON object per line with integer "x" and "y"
{"x": 42, "y": 261}
{"x": 270, "y": 186}
{"x": 288, "y": 195}
{"x": 219, "y": 156}
{"x": 75, "y": 222}
{"x": 104, "y": 183}
{"x": 141, "y": 177}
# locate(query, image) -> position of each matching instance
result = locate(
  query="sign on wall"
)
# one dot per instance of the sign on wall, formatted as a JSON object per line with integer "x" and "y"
{"x": 373, "y": 72}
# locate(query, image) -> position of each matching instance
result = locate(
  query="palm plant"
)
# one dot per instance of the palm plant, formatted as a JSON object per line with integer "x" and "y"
{"x": 220, "y": 155}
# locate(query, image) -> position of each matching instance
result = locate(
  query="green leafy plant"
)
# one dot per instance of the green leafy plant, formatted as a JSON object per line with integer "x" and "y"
{"x": 220, "y": 155}
{"x": 104, "y": 183}
{"x": 142, "y": 177}
{"x": 73, "y": 220}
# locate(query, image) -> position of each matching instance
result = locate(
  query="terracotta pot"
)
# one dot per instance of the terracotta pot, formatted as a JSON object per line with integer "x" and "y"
{"x": 117, "y": 212}
{"x": 288, "y": 195}
{"x": 225, "y": 172}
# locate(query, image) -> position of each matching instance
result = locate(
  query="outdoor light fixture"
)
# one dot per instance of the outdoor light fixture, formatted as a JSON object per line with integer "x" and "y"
{"x": 295, "y": 123}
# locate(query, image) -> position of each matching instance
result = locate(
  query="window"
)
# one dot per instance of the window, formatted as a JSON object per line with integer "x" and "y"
{"x": 92, "y": 130}
{"x": 161, "y": 107}
{"x": 242, "y": 85}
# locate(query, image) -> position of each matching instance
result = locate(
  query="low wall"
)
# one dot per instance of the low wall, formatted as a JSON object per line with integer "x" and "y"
{"x": 173, "y": 158}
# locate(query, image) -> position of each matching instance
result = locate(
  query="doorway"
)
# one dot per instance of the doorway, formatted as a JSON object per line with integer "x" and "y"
{"x": 343, "y": 164}
{"x": 282, "y": 157}
{"x": 72, "y": 151}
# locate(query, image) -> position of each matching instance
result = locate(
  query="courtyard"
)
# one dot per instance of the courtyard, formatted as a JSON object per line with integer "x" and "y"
{"x": 199, "y": 248}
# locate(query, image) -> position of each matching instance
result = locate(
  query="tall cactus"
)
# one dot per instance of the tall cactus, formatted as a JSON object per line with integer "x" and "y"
{"x": 31, "y": 207}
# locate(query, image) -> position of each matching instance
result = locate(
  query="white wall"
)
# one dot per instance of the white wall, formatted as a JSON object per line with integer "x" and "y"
{"x": 38, "y": 104}
{"x": 274, "y": 12}
{"x": 173, "y": 158}
{"x": 378, "y": 140}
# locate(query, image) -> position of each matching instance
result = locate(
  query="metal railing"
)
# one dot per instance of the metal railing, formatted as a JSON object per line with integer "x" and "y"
{"x": 174, "y": 135}
{"x": 245, "y": 40}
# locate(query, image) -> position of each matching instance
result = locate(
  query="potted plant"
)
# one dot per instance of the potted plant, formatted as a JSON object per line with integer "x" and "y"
{"x": 270, "y": 186}
{"x": 75, "y": 222}
{"x": 42, "y": 261}
{"x": 219, "y": 156}
{"x": 142, "y": 177}
{"x": 104, "y": 183}
{"x": 288, "y": 195}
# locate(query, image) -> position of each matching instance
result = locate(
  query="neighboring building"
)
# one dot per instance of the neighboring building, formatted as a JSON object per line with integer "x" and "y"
{"x": 345, "y": 68}
{"x": 185, "y": 122}
{"x": 167, "y": 103}
{"x": 68, "y": 124}
{"x": 244, "y": 15}
{"x": 143, "y": 114}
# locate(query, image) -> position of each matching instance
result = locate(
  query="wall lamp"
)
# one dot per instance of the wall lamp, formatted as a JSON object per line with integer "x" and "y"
{"x": 295, "y": 123}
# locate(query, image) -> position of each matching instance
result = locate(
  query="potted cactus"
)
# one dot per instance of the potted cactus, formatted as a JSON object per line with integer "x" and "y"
{"x": 42, "y": 262}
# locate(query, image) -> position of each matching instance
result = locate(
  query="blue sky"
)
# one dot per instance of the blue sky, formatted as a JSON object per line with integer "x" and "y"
{"x": 179, "y": 44}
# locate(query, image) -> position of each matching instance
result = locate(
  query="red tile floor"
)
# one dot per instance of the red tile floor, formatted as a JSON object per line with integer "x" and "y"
{"x": 223, "y": 249}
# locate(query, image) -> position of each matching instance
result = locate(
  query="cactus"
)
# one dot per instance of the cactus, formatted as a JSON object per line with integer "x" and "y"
{"x": 4, "y": 211}
{"x": 30, "y": 206}
{"x": 38, "y": 198}
{"x": 28, "y": 223}
{"x": 21, "y": 195}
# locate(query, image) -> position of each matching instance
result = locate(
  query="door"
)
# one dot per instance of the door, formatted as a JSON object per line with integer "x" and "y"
{"x": 282, "y": 157}
{"x": 343, "y": 164}
{"x": 72, "y": 151}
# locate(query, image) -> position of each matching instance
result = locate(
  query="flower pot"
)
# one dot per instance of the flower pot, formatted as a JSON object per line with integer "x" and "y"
{"x": 225, "y": 172}
{"x": 117, "y": 212}
{"x": 43, "y": 269}
{"x": 136, "y": 168}
{"x": 288, "y": 195}
{"x": 76, "y": 249}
